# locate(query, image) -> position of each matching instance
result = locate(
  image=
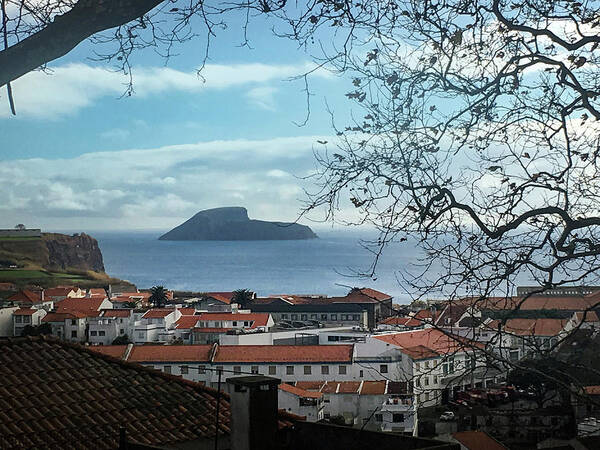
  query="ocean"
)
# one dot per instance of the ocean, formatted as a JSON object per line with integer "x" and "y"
{"x": 326, "y": 265}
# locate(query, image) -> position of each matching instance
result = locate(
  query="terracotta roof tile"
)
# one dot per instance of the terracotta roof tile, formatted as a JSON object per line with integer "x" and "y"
{"x": 26, "y": 296}
{"x": 74, "y": 409}
{"x": 427, "y": 343}
{"x": 373, "y": 388}
{"x": 171, "y": 353}
{"x": 299, "y": 392}
{"x": 477, "y": 440}
{"x": 535, "y": 327}
{"x": 310, "y": 385}
{"x": 592, "y": 390}
{"x": 284, "y": 353}
{"x": 187, "y": 322}
{"x": 58, "y": 317}
{"x": 24, "y": 312}
{"x": 348, "y": 387}
{"x": 116, "y": 312}
{"x": 90, "y": 307}
{"x": 116, "y": 351}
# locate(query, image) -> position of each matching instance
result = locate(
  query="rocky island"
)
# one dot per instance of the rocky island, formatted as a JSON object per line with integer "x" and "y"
{"x": 233, "y": 224}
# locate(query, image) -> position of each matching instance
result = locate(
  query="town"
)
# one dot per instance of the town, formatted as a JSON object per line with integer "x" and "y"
{"x": 443, "y": 370}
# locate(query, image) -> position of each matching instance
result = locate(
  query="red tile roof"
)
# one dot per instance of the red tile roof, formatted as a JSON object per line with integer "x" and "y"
{"x": 284, "y": 353}
{"x": 348, "y": 387}
{"x": 587, "y": 316}
{"x": 58, "y": 317}
{"x": 87, "y": 396}
{"x": 135, "y": 294}
{"x": 299, "y": 392}
{"x": 116, "y": 351}
{"x": 7, "y": 287}
{"x": 427, "y": 343}
{"x": 310, "y": 385}
{"x": 408, "y": 322}
{"x": 187, "y": 311}
{"x": 90, "y": 307}
{"x": 116, "y": 312}
{"x": 24, "y": 312}
{"x": 373, "y": 388}
{"x": 257, "y": 319}
{"x": 535, "y": 327}
{"x": 170, "y": 353}
{"x": 478, "y": 440}
{"x": 224, "y": 297}
{"x": 156, "y": 313}
{"x": 26, "y": 296}
{"x": 592, "y": 390}
{"x": 377, "y": 295}
{"x": 187, "y": 322}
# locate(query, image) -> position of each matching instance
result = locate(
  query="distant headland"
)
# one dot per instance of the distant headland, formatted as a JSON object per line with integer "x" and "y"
{"x": 233, "y": 224}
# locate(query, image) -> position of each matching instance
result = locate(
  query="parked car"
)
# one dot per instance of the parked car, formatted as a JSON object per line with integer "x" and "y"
{"x": 447, "y": 416}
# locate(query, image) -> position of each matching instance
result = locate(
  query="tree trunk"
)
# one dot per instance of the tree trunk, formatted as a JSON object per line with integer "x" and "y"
{"x": 86, "y": 18}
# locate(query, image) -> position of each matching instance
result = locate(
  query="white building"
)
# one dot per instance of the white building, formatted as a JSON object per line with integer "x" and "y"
{"x": 23, "y": 317}
{"x": 109, "y": 325}
{"x": 7, "y": 326}
{"x": 301, "y": 402}
{"x": 156, "y": 325}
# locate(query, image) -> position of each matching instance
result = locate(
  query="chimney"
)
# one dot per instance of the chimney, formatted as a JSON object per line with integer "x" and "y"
{"x": 253, "y": 403}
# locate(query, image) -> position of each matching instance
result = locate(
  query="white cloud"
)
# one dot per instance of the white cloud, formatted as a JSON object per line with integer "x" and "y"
{"x": 263, "y": 97}
{"x": 116, "y": 133}
{"x": 67, "y": 89}
{"x": 157, "y": 187}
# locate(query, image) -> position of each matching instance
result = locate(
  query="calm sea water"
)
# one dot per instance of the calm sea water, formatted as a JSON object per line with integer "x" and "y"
{"x": 323, "y": 266}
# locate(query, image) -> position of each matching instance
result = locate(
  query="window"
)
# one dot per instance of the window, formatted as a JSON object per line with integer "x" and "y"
{"x": 237, "y": 369}
{"x": 184, "y": 370}
{"x": 383, "y": 368}
{"x": 307, "y": 370}
{"x": 356, "y": 317}
{"x": 378, "y": 417}
{"x": 18, "y": 319}
{"x": 342, "y": 316}
{"x": 427, "y": 364}
{"x": 284, "y": 316}
{"x": 121, "y": 331}
{"x": 397, "y": 418}
{"x": 323, "y": 316}
{"x": 324, "y": 370}
{"x": 141, "y": 334}
{"x": 201, "y": 369}
{"x": 334, "y": 317}
{"x": 294, "y": 316}
{"x": 426, "y": 396}
{"x": 435, "y": 379}
{"x": 342, "y": 370}
{"x": 272, "y": 370}
{"x": 303, "y": 316}
{"x": 120, "y": 320}
{"x": 93, "y": 333}
{"x": 289, "y": 370}
{"x": 101, "y": 333}
{"x": 333, "y": 338}
{"x": 74, "y": 333}
{"x": 418, "y": 366}
{"x": 361, "y": 373}
{"x": 73, "y": 321}
{"x": 167, "y": 369}
{"x": 254, "y": 369}
{"x": 313, "y": 316}
{"x": 217, "y": 324}
{"x": 246, "y": 323}
{"x": 235, "y": 323}
{"x": 426, "y": 380}
{"x": 26, "y": 319}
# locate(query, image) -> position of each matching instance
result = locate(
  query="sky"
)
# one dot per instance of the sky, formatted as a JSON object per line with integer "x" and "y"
{"x": 79, "y": 155}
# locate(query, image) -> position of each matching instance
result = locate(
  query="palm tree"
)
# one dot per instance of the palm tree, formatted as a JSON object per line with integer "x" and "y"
{"x": 158, "y": 296}
{"x": 242, "y": 297}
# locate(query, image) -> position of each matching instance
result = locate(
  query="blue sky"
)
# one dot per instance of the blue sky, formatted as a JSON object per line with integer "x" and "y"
{"x": 77, "y": 156}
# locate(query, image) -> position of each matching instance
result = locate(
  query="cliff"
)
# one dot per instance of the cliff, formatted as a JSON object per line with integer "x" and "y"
{"x": 53, "y": 251}
{"x": 233, "y": 224}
